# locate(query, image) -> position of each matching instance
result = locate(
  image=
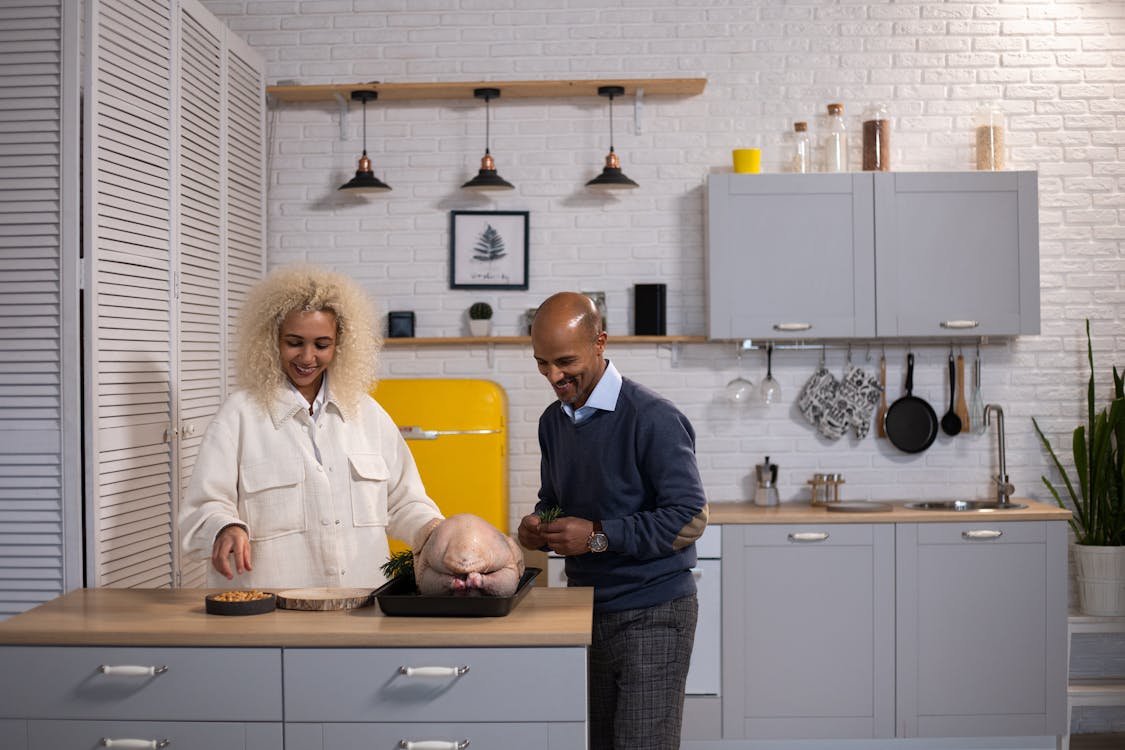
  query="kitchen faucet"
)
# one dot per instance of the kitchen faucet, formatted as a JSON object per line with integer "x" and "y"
{"x": 1004, "y": 489}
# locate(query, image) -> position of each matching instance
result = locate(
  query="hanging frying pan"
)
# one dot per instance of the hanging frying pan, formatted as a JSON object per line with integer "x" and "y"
{"x": 911, "y": 423}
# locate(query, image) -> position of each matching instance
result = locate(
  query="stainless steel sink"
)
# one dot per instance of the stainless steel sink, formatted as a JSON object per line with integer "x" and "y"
{"x": 964, "y": 505}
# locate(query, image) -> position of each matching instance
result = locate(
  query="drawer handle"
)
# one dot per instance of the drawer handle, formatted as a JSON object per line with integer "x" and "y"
{"x": 130, "y": 670}
{"x": 808, "y": 536}
{"x": 792, "y": 326}
{"x": 433, "y": 671}
{"x": 978, "y": 534}
{"x": 433, "y": 745}
{"x": 130, "y": 744}
{"x": 959, "y": 324}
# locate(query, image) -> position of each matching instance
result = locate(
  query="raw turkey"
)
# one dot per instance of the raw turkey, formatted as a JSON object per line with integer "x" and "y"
{"x": 466, "y": 554}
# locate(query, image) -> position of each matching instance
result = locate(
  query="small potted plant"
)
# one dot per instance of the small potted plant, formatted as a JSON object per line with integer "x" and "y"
{"x": 480, "y": 319}
{"x": 1097, "y": 495}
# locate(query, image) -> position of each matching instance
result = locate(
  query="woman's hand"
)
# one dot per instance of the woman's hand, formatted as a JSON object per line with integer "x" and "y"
{"x": 231, "y": 541}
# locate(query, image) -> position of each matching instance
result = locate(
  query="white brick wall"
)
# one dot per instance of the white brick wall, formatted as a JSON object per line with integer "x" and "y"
{"x": 1059, "y": 69}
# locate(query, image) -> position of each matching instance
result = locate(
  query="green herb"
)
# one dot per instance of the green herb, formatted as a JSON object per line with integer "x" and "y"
{"x": 399, "y": 564}
{"x": 548, "y": 514}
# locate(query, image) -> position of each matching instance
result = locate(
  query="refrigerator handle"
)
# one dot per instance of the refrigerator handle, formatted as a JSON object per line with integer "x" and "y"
{"x": 414, "y": 432}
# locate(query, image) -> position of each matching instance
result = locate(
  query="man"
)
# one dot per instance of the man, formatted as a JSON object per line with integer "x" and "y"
{"x": 618, "y": 460}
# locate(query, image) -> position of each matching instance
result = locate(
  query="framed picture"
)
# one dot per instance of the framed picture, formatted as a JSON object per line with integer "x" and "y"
{"x": 488, "y": 249}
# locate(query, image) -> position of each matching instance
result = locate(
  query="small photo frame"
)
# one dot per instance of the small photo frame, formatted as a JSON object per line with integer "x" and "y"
{"x": 488, "y": 249}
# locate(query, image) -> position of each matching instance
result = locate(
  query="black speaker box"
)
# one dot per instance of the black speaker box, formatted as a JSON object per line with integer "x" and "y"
{"x": 649, "y": 304}
{"x": 400, "y": 324}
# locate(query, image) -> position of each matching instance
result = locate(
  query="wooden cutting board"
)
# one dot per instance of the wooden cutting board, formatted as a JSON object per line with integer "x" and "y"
{"x": 324, "y": 599}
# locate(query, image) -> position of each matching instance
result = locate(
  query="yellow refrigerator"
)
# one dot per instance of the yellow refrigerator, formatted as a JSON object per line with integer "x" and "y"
{"x": 457, "y": 432}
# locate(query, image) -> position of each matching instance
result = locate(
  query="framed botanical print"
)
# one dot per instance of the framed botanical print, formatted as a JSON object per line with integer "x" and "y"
{"x": 488, "y": 249}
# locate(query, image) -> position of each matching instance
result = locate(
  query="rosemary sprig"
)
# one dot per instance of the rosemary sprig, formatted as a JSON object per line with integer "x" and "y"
{"x": 548, "y": 514}
{"x": 399, "y": 564}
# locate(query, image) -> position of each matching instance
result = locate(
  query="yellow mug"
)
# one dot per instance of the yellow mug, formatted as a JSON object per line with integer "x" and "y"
{"x": 747, "y": 160}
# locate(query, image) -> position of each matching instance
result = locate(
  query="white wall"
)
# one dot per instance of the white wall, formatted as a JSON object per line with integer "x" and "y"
{"x": 1058, "y": 67}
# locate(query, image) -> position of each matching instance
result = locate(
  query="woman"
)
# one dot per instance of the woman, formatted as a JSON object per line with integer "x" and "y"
{"x": 302, "y": 475}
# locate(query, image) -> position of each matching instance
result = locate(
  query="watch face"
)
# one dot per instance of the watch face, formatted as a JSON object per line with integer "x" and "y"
{"x": 598, "y": 542}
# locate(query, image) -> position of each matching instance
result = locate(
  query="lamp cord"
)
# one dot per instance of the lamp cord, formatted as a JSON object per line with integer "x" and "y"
{"x": 611, "y": 123}
{"x": 487, "y": 130}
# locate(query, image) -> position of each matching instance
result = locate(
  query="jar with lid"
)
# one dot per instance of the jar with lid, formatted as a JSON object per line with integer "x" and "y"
{"x": 990, "y": 137}
{"x": 876, "y": 139}
{"x": 836, "y": 141}
{"x": 802, "y": 148}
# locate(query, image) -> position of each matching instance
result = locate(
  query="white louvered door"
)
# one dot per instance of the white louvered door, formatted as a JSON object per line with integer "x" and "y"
{"x": 157, "y": 304}
{"x": 40, "y": 459}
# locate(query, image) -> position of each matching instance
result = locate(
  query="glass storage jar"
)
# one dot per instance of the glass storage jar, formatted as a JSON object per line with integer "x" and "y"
{"x": 802, "y": 148}
{"x": 836, "y": 140}
{"x": 876, "y": 139}
{"x": 989, "y": 125}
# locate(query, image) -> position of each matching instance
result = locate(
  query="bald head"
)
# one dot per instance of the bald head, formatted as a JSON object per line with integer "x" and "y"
{"x": 568, "y": 311}
{"x": 568, "y": 343}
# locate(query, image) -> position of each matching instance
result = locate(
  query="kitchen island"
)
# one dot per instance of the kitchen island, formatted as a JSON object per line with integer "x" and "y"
{"x": 149, "y": 668}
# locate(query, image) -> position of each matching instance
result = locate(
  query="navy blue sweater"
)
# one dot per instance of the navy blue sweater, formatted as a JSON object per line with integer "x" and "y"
{"x": 634, "y": 470}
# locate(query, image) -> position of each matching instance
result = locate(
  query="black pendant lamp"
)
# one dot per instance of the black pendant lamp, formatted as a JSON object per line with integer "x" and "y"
{"x": 486, "y": 178}
{"x": 611, "y": 178}
{"x": 365, "y": 180}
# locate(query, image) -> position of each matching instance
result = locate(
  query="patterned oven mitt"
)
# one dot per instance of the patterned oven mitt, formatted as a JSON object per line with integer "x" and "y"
{"x": 817, "y": 396}
{"x": 854, "y": 403}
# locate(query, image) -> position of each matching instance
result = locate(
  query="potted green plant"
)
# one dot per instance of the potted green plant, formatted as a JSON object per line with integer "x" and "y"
{"x": 1098, "y": 501}
{"x": 480, "y": 318}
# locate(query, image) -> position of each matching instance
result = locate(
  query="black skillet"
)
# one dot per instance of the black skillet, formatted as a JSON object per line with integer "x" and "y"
{"x": 911, "y": 423}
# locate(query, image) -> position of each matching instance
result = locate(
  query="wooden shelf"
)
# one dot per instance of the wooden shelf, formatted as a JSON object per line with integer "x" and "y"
{"x": 526, "y": 340}
{"x": 508, "y": 89}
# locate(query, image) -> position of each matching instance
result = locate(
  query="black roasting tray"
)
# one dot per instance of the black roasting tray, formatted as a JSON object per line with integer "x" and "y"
{"x": 399, "y": 597}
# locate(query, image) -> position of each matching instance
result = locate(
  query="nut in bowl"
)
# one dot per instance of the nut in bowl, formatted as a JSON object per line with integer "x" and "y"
{"x": 240, "y": 603}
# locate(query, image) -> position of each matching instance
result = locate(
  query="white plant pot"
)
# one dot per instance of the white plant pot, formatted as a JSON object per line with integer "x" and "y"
{"x": 1100, "y": 574}
{"x": 480, "y": 327}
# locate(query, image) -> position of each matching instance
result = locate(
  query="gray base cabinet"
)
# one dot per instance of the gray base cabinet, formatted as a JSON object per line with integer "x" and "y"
{"x": 865, "y": 255}
{"x": 981, "y": 611}
{"x": 808, "y": 631}
{"x": 930, "y": 630}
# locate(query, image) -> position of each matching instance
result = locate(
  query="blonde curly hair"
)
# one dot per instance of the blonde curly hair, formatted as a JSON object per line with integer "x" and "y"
{"x": 305, "y": 287}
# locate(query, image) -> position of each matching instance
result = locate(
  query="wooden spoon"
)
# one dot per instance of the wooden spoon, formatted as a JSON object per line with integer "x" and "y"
{"x": 951, "y": 423}
{"x": 881, "y": 417}
{"x": 962, "y": 408}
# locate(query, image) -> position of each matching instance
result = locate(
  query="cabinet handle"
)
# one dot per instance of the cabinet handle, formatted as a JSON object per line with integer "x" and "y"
{"x": 433, "y": 745}
{"x": 792, "y": 326}
{"x": 808, "y": 536}
{"x": 960, "y": 324}
{"x": 131, "y": 744}
{"x": 978, "y": 534}
{"x": 130, "y": 670}
{"x": 433, "y": 671}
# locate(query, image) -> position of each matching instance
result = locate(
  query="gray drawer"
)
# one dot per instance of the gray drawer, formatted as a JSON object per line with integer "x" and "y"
{"x": 810, "y": 534}
{"x": 348, "y": 736}
{"x": 975, "y": 530}
{"x": 65, "y": 735}
{"x": 199, "y": 684}
{"x": 365, "y": 685}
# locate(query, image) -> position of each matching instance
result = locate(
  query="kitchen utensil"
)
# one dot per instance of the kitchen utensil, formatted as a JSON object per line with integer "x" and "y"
{"x": 977, "y": 411}
{"x": 324, "y": 599}
{"x": 950, "y": 422}
{"x": 770, "y": 390}
{"x": 399, "y": 597}
{"x": 766, "y": 491}
{"x": 911, "y": 423}
{"x": 214, "y": 606}
{"x": 962, "y": 409}
{"x": 880, "y": 428}
{"x": 739, "y": 391}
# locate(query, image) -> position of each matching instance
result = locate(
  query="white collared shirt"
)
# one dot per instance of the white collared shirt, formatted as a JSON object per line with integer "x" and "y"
{"x": 604, "y": 396}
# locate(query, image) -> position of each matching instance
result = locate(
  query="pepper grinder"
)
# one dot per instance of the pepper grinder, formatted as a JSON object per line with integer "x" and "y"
{"x": 766, "y": 491}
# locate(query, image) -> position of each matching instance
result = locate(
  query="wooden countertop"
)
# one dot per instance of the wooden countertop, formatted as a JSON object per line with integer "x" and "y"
{"x": 176, "y": 617}
{"x": 747, "y": 512}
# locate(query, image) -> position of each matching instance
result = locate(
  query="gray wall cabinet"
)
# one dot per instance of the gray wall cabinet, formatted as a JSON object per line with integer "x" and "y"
{"x": 873, "y": 255}
{"x": 852, "y": 631}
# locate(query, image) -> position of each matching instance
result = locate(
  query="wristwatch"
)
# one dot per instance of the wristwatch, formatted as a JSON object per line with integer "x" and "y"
{"x": 597, "y": 542}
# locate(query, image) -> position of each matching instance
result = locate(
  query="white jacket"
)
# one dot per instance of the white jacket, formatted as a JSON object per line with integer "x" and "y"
{"x": 311, "y": 524}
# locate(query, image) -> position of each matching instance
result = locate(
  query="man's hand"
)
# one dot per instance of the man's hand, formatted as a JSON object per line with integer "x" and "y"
{"x": 567, "y": 535}
{"x": 231, "y": 541}
{"x": 530, "y": 532}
